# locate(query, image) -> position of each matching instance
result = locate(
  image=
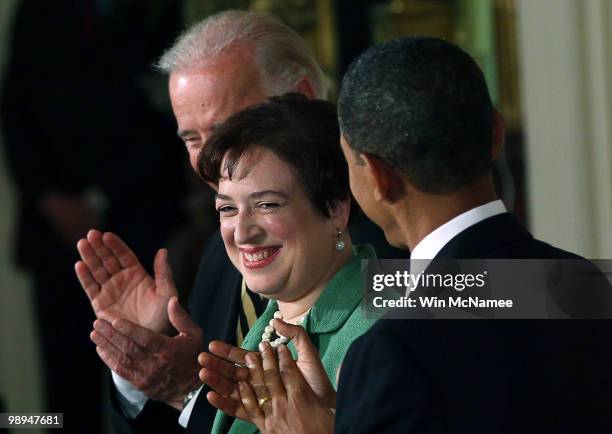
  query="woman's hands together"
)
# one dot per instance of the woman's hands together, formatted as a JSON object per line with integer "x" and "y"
{"x": 273, "y": 391}
{"x": 278, "y": 399}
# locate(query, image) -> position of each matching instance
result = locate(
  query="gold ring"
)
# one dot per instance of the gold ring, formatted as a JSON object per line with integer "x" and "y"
{"x": 262, "y": 401}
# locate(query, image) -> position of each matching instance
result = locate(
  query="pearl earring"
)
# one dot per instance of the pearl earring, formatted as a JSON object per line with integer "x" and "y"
{"x": 339, "y": 243}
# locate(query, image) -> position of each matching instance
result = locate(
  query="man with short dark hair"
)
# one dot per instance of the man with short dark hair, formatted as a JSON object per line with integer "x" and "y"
{"x": 419, "y": 133}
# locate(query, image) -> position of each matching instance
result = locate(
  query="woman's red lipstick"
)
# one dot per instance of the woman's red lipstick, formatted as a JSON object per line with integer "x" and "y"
{"x": 259, "y": 257}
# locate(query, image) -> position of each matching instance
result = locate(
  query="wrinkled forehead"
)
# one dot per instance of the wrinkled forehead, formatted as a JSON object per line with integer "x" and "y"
{"x": 203, "y": 99}
{"x": 233, "y": 70}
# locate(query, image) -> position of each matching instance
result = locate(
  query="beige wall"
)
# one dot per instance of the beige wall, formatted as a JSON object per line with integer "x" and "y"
{"x": 566, "y": 77}
{"x": 20, "y": 383}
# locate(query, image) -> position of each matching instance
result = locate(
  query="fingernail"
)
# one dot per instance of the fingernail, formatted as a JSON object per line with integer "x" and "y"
{"x": 262, "y": 346}
{"x": 249, "y": 362}
{"x": 101, "y": 325}
{"x": 240, "y": 385}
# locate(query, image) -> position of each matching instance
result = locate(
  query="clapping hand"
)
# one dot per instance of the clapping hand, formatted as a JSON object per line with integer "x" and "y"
{"x": 163, "y": 367}
{"x": 278, "y": 398}
{"x": 221, "y": 373}
{"x": 135, "y": 311}
{"x": 119, "y": 287}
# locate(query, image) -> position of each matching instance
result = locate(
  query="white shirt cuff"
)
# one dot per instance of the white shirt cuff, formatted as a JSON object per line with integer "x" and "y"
{"x": 186, "y": 413}
{"x": 131, "y": 400}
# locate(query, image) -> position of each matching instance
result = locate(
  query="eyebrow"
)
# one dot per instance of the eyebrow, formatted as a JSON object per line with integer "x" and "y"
{"x": 256, "y": 195}
{"x": 184, "y": 133}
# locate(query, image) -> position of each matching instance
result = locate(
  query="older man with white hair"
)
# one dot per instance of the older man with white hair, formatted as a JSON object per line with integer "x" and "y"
{"x": 225, "y": 63}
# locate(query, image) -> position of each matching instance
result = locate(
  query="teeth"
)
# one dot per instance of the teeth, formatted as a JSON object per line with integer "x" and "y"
{"x": 257, "y": 256}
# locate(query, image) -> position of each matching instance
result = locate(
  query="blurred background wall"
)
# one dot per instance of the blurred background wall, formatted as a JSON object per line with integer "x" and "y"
{"x": 566, "y": 65}
{"x": 547, "y": 62}
{"x": 20, "y": 380}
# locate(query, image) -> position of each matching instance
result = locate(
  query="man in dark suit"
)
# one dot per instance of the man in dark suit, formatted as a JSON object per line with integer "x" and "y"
{"x": 419, "y": 133}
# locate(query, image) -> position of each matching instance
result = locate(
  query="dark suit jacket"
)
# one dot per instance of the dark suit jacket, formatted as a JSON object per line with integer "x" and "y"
{"x": 491, "y": 376}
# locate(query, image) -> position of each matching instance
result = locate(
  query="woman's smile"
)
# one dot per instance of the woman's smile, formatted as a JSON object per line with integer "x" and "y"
{"x": 280, "y": 242}
{"x": 259, "y": 257}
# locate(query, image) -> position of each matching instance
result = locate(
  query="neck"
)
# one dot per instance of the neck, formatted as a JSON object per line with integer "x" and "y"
{"x": 294, "y": 310}
{"x": 420, "y": 214}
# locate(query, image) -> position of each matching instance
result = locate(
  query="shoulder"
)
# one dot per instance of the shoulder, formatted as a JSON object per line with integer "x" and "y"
{"x": 537, "y": 249}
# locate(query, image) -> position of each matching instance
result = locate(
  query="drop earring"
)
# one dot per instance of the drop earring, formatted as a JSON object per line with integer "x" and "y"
{"x": 339, "y": 243}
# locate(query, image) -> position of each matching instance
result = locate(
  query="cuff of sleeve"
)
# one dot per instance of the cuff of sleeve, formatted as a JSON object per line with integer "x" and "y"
{"x": 186, "y": 413}
{"x": 131, "y": 400}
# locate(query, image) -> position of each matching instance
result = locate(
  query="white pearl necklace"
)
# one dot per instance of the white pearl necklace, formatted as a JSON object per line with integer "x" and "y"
{"x": 269, "y": 331}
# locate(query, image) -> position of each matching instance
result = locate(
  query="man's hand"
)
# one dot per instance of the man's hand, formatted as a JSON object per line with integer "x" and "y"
{"x": 220, "y": 372}
{"x": 119, "y": 287}
{"x": 163, "y": 368}
{"x": 279, "y": 399}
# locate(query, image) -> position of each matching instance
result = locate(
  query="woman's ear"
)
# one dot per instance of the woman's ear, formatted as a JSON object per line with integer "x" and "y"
{"x": 339, "y": 212}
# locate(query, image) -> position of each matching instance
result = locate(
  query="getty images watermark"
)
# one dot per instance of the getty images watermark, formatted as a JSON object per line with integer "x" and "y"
{"x": 560, "y": 289}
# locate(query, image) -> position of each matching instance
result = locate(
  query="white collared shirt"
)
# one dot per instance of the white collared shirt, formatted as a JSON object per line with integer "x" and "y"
{"x": 429, "y": 247}
{"x": 433, "y": 242}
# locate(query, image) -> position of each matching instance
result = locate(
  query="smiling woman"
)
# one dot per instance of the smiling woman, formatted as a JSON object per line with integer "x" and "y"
{"x": 283, "y": 198}
{"x": 284, "y": 205}
{"x": 281, "y": 244}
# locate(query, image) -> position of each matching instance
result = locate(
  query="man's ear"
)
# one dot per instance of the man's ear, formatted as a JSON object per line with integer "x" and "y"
{"x": 499, "y": 132}
{"x": 306, "y": 88}
{"x": 380, "y": 175}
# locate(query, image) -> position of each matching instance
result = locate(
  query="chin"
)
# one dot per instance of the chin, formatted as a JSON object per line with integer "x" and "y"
{"x": 259, "y": 286}
{"x": 395, "y": 240}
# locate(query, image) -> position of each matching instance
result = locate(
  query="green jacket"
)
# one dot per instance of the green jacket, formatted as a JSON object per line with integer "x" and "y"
{"x": 333, "y": 323}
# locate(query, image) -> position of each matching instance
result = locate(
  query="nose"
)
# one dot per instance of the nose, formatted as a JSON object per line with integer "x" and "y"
{"x": 247, "y": 231}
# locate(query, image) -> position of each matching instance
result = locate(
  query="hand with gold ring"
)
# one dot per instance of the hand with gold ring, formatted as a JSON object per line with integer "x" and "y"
{"x": 287, "y": 403}
{"x": 222, "y": 369}
{"x": 262, "y": 401}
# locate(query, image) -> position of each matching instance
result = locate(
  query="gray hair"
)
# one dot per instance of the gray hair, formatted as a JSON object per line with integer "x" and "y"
{"x": 282, "y": 57}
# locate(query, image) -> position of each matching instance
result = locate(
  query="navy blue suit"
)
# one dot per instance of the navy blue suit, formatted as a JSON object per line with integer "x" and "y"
{"x": 490, "y": 376}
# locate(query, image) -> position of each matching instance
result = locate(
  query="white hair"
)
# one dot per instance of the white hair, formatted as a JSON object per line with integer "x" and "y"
{"x": 282, "y": 57}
